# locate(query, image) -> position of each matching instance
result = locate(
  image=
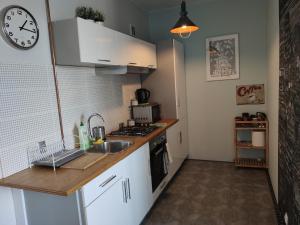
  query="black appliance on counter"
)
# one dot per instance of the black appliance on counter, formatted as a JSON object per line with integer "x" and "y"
{"x": 158, "y": 160}
{"x": 133, "y": 131}
{"x": 142, "y": 95}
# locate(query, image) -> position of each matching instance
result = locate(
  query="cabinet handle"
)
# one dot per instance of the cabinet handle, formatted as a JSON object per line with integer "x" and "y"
{"x": 104, "y": 60}
{"x": 180, "y": 137}
{"x": 124, "y": 191}
{"x": 149, "y": 167}
{"x": 129, "y": 191}
{"x": 132, "y": 63}
{"x": 107, "y": 181}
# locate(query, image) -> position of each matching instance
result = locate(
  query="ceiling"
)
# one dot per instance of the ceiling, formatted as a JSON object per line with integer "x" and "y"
{"x": 152, "y": 5}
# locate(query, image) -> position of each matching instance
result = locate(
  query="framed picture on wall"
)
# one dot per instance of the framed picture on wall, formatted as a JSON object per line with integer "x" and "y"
{"x": 222, "y": 57}
{"x": 250, "y": 94}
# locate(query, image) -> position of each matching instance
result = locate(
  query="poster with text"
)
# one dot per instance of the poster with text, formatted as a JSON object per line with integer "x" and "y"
{"x": 222, "y": 57}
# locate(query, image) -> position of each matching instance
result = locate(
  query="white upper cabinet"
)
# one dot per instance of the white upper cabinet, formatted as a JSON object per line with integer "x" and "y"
{"x": 148, "y": 55}
{"x": 128, "y": 50}
{"x": 81, "y": 42}
{"x": 96, "y": 43}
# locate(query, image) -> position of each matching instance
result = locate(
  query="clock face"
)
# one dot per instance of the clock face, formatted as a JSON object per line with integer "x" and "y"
{"x": 19, "y": 27}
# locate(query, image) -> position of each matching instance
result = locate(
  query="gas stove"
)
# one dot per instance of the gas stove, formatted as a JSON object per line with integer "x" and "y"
{"x": 133, "y": 131}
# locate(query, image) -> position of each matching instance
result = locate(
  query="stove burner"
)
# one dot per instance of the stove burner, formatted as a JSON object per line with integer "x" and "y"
{"x": 133, "y": 131}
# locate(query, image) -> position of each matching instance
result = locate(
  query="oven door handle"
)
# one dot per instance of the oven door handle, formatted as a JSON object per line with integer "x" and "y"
{"x": 158, "y": 152}
{"x": 166, "y": 163}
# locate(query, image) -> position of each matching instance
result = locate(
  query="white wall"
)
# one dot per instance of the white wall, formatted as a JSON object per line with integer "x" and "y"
{"x": 25, "y": 119}
{"x": 118, "y": 14}
{"x": 24, "y": 75}
{"x": 212, "y": 105}
{"x": 273, "y": 87}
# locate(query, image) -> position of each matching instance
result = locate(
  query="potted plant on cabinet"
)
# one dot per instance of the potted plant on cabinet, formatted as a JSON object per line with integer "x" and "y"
{"x": 99, "y": 17}
{"x": 82, "y": 12}
{"x": 89, "y": 13}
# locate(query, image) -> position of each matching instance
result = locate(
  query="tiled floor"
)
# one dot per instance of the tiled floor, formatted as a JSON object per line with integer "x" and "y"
{"x": 215, "y": 193}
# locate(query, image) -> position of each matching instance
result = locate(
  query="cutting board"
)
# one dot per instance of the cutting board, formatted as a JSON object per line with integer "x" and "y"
{"x": 85, "y": 161}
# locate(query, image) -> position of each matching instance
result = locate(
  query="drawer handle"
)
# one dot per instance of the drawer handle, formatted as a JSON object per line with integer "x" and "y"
{"x": 124, "y": 192}
{"x": 107, "y": 181}
{"x": 129, "y": 191}
{"x": 132, "y": 63}
{"x": 104, "y": 60}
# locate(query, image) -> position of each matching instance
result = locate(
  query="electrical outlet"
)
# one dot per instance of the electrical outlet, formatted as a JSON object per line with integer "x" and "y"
{"x": 42, "y": 147}
{"x": 286, "y": 219}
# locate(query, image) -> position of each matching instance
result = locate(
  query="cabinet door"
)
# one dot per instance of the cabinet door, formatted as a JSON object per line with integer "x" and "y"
{"x": 110, "y": 208}
{"x": 135, "y": 52}
{"x": 183, "y": 138}
{"x": 139, "y": 178}
{"x": 174, "y": 148}
{"x": 128, "y": 50}
{"x": 181, "y": 102}
{"x": 180, "y": 80}
{"x": 102, "y": 183}
{"x": 96, "y": 43}
{"x": 148, "y": 55}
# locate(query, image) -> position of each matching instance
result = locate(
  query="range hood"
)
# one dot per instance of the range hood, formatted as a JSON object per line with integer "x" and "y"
{"x": 121, "y": 70}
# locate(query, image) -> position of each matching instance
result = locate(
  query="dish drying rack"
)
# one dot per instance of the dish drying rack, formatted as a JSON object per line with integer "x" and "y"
{"x": 52, "y": 155}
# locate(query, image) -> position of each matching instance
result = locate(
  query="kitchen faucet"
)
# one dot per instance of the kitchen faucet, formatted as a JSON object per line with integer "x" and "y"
{"x": 97, "y": 132}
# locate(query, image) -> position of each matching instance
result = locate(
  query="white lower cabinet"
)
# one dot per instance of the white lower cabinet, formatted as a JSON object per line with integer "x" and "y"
{"x": 120, "y": 195}
{"x": 128, "y": 197}
{"x": 109, "y": 208}
{"x": 177, "y": 152}
{"x": 140, "y": 187}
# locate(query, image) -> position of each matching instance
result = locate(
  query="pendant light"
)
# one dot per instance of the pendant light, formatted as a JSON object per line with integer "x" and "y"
{"x": 184, "y": 26}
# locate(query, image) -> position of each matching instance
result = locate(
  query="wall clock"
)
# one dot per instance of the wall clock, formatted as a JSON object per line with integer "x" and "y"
{"x": 19, "y": 27}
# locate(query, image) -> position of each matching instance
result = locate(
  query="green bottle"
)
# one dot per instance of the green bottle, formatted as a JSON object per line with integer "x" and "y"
{"x": 84, "y": 137}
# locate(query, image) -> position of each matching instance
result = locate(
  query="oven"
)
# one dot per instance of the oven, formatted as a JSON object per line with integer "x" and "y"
{"x": 158, "y": 160}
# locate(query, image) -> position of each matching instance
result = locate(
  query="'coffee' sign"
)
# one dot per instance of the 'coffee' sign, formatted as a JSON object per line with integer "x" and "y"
{"x": 250, "y": 94}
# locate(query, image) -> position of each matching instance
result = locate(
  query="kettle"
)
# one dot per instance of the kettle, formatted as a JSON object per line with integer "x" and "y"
{"x": 142, "y": 95}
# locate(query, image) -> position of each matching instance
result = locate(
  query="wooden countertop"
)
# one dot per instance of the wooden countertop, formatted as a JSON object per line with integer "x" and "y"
{"x": 66, "y": 181}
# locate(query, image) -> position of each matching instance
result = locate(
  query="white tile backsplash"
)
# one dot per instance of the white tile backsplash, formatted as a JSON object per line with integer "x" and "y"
{"x": 28, "y": 112}
{"x": 84, "y": 91}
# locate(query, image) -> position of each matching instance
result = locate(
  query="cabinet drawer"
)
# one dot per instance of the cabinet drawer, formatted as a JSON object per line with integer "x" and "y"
{"x": 100, "y": 184}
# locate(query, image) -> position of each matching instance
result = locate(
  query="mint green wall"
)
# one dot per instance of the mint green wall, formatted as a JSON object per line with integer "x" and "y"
{"x": 212, "y": 105}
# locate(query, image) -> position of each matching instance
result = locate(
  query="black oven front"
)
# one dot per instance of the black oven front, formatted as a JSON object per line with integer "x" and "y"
{"x": 158, "y": 160}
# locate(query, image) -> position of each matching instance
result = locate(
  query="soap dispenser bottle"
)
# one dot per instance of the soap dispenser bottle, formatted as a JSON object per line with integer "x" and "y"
{"x": 83, "y": 137}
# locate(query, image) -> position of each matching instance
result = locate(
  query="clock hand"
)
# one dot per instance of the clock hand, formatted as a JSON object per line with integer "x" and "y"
{"x": 28, "y": 30}
{"x": 22, "y": 27}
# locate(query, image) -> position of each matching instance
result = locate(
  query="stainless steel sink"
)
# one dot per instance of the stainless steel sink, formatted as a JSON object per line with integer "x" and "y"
{"x": 111, "y": 146}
